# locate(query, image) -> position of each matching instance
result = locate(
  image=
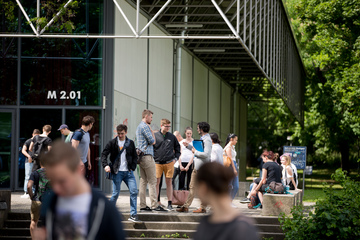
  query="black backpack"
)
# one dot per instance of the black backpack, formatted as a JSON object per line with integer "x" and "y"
{"x": 39, "y": 148}
{"x": 82, "y": 134}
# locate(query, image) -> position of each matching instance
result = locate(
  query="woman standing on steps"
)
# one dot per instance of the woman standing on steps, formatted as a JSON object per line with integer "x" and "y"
{"x": 225, "y": 223}
{"x": 229, "y": 151}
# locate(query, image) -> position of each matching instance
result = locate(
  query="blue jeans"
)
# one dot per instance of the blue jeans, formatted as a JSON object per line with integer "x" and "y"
{"x": 129, "y": 180}
{"x": 235, "y": 184}
{"x": 28, "y": 168}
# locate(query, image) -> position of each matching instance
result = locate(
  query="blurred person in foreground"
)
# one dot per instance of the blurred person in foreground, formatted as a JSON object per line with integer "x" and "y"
{"x": 74, "y": 210}
{"x": 224, "y": 223}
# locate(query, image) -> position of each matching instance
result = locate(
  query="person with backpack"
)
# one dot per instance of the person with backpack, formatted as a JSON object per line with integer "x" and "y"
{"x": 40, "y": 182}
{"x": 271, "y": 175}
{"x": 28, "y": 161}
{"x": 73, "y": 210}
{"x": 40, "y": 144}
{"x": 289, "y": 175}
{"x": 81, "y": 141}
{"x": 123, "y": 161}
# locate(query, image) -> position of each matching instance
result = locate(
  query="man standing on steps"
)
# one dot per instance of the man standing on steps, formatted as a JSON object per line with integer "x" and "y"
{"x": 200, "y": 158}
{"x": 145, "y": 139}
{"x": 40, "y": 145}
{"x": 166, "y": 152}
{"x": 81, "y": 141}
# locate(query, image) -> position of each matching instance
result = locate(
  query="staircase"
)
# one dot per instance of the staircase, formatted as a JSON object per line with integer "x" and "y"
{"x": 155, "y": 226}
{"x": 16, "y": 227}
{"x": 184, "y": 225}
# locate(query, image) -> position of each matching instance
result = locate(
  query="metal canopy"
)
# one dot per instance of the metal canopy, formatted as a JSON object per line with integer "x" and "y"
{"x": 248, "y": 43}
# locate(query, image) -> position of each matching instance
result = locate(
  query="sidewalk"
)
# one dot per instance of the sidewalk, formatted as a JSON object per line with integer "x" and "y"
{"x": 19, "y": 204}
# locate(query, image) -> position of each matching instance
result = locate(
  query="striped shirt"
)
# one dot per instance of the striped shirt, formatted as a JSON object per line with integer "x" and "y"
{"x": 145, "y": 139}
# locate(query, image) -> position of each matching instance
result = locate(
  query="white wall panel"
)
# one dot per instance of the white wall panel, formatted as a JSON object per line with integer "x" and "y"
{"x": 200, "y": 92}
{"x": 130, "y": 65}
{"x": 214, "y": 102}
{"x": 160, "y": 71}
{"x": 225, "y": 109}
{"x": 186, "y": 84}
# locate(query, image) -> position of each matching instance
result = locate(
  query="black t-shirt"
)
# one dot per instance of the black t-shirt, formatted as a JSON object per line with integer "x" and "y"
{"x": 27, "y": 144}
{"x": 273, "y": 172}
{"x": 35, "y": 176}
{"x": 240, "y": 228}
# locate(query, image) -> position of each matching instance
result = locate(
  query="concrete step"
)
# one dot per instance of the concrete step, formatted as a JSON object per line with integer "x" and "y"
{"x": 15, "y": 237}
{"x": 168, "y": 217}
{"x": 18, "y": 216}
{"x": 273, "y": 236}
{"x": 17, "y": 223}
{"x": 161, "y": 225}
{"x": 266, "y": 220}
{"x": 188, "y": 226}
{"x": 15, "y": 232}
{"x": 135, "y": 238}
{"x": 151, "y": 233}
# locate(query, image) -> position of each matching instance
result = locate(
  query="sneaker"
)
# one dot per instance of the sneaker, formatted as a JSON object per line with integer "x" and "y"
{"x": 258, "y": 206}
{"x": 146, "y": 209}
{"x": 170, "y": 208}
{"x": 134, "y": 218}
{"x": 159, "y": 209}
{"x": 245, "y": 200}
{"x": 25, "y": 196}
{"x": 178, "y": 206}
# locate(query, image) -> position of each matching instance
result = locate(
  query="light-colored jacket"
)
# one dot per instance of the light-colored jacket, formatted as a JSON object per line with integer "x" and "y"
{"x": 203, "y": 157}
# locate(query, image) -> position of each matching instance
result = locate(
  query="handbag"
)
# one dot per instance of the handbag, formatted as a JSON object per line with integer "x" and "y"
{"x": 227, "y": 161}
{"x": 180, "y": 197}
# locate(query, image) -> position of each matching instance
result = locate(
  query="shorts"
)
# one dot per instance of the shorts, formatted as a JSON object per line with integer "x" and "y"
{"x": 168, "y": 169}
{"x": 35, "y": 210}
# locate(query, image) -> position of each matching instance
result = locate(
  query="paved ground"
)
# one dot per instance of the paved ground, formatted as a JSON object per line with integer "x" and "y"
{"x": 23, "y": 205}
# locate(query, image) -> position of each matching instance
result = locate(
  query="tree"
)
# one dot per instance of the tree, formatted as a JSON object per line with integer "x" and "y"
{"x": 328, "y": 33}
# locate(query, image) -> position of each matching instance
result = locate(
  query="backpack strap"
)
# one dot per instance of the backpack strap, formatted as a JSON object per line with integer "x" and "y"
{"x": 78, "y": 130}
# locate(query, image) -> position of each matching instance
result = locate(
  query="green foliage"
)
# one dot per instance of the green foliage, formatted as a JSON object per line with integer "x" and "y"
{"x": 142, "y": 235}
{"x": 335, "y": 217}
{"x": 328, "y": 33}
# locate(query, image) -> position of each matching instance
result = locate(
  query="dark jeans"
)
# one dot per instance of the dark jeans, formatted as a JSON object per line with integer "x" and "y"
{"x": 182, "y": 176}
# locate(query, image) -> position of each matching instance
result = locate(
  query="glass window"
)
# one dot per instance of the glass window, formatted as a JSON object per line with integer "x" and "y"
{"x": 8, "y": 71}
{"x": 5, "y": 148}
{"x": 60, "y": 82}
{"x": 31, "y": 119}
{"x": 73, "y": 120}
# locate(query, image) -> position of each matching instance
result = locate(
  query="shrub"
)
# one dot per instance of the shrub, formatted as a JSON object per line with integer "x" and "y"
{"x": 335, "y": 217}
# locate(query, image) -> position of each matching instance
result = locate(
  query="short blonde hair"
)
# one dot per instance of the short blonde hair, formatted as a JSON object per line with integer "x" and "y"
{"x": 47, "y": 128}
{"x": 146, "y": 112}
{"x": 164, "y": 121}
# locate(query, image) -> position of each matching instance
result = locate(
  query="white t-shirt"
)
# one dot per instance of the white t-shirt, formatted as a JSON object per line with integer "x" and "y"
{"x": 123, "y": 162}
{"x": 217, "y": 153}
{"x": 71, "y": 219}
{"x": 186, "y": 154}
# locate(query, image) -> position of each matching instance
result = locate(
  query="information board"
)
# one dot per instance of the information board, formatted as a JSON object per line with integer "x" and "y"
{"x": 298, "y": 155}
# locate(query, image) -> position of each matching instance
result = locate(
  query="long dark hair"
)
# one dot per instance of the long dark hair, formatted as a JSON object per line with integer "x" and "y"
{"x": 229, "y": 137}
{"x": 215, "y": 138}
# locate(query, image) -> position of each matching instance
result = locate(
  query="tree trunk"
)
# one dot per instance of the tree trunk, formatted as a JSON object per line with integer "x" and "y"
{"x": 345, "y": 155}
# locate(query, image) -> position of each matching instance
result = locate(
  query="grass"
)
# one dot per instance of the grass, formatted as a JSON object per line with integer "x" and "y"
{"x": 314, "y": 184}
